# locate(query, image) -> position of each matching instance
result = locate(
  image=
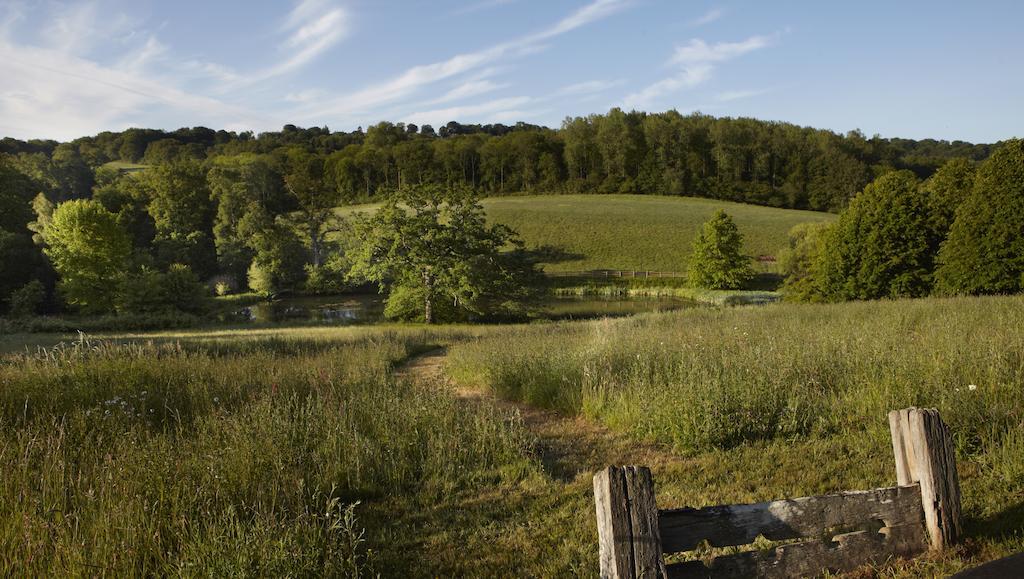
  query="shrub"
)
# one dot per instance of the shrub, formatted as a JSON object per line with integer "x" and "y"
{"x": 882, "y": 245}
{"x": 984, "y": 253}
{"x": 26, "y": 300}
{"x": 718, "y": 261}
{"x": 150, "y": 291}
{"x": 89, "y": 250}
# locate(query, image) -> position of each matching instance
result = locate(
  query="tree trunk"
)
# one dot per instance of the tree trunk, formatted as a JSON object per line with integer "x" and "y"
{"x": 428, "y": 305}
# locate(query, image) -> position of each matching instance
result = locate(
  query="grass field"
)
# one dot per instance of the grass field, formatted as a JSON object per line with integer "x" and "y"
{"x": 810, "y": 385}
{"x": 256, "y": 452}
{"x": 125, "y": 166}
{"x": 634, "y": 231}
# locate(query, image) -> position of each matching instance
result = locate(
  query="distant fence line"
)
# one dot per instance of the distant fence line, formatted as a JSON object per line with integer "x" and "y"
{"x": 616, "y": 273}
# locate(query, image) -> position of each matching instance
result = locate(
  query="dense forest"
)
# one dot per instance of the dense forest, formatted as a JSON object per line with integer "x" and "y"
{"x": 239, "y": 209}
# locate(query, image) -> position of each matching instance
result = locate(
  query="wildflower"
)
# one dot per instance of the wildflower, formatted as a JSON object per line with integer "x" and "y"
{"x": 972, "y": 387}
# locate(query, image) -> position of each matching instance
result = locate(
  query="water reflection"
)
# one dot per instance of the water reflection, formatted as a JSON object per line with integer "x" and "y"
{"x": 369, "y": 309}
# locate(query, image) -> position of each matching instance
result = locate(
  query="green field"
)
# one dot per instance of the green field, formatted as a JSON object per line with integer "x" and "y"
{"x": 125, "y": 166}
{"x": 302, "y": 450}
{"x": 635, "y": 232}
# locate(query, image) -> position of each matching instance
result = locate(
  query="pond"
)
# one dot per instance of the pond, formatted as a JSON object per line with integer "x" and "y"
{"x": 369, "y": 309}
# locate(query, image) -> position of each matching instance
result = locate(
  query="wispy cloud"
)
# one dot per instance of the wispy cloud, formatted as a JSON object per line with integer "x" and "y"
{"x": 311, "y": 28}
{"x": 480, "y": 6}
{"x": 735, "y": 95}
{"x": 496, "y": 109}
{"x": 589, "y": 87}
{"x": 417, "y": 77}
{"x": 708, "y": 17}
{"x": 695, "y": 63}
{"x": 697, "y": 51}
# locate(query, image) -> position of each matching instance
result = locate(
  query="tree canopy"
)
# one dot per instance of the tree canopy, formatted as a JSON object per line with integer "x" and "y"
{"x": 718, "y": 261}
{"x": 984, "y": 252}
{"x": 432, "y": 247}
{"x": 89, "y": 250}
{"x": 882, "y": 245}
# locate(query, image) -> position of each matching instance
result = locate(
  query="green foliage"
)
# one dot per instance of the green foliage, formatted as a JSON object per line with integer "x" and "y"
{"x": 718, "y": 261}
{"x": 435, "y": 243}
{"x": 947, "y": 189}
{"x": 237, "y": 458}
{"x": 27, "y": 300}
{"x": 154, "y": 292}
{"x": 881, "y": 245}
{"x": 801, "y": 261}
{"x": 277, "y": 267}
{"x": 239, "y": 186}
{"x": 182, "y": 213}
{"x": 984, "y": 252}
{"x": 89, "y": 249}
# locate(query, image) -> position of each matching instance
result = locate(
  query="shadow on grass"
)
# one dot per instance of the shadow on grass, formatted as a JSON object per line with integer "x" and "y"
{"x": 1005, "y": 523}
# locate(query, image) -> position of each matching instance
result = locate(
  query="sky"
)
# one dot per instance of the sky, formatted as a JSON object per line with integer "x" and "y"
{"x": 940, "y": 69}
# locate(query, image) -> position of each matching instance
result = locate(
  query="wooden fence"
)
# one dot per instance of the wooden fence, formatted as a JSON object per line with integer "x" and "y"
{"x": 617, "y": 273}
{"x": 832, "y": 533}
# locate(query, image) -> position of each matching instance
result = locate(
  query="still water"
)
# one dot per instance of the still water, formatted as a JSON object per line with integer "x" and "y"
{"x": 369, "y": 309}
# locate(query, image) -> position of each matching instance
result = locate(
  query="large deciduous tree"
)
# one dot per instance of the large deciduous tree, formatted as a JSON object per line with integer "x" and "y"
{"x": 882, "y": 245}
{"x": 316, "y": 200}
{"x": 182, "y": 212}
{"x": 89, "y": 250}
{"x": 718, "y": 261}
{"x": 433, "y": 248}
{"x": 984, "y": 252}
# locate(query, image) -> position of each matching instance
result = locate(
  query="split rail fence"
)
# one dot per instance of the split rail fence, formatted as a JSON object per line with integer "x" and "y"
{"x": 833, "y": 533}
{"x": 617, "y": 273}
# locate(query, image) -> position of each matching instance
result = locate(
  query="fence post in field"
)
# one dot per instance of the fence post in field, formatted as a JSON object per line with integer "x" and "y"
{"x": 923, "y": 448}
{"x": 627, "y": 523}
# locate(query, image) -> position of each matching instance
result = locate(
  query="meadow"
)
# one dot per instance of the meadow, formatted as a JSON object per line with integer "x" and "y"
{"x": 305, "y": 451}
{"x": 790, "y": 400}
{"x": 633, "y": 232}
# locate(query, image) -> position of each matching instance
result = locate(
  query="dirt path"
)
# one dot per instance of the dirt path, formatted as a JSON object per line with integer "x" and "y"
{"x": 568, "y": 446}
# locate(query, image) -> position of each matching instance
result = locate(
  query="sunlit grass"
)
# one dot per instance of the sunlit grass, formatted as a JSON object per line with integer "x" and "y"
{"x": 634, "y": 232}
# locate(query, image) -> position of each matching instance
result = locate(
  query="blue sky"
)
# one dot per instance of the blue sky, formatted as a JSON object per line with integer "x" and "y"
{"x": 942, "y": 68}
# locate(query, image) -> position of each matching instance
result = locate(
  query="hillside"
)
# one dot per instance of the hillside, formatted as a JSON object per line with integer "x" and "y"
{"x": 634, "y": 231}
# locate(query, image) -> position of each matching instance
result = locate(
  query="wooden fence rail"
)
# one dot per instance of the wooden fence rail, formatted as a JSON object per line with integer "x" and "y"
{"x": 617, "y": 273}
{"x": 833, "y": 533}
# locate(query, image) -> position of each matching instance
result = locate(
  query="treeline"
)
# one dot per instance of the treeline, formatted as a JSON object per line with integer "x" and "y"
{"x": 239, "y": 210}
{"x": 960, "y": 232}
{"x": 746, "y": 160}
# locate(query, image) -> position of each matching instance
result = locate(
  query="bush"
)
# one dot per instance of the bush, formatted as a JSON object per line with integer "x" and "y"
{"x": 984, "y": 253}
{"x": 153, "y": 292}
{"x": 718, "y": 261}
{"x": 27, "y": 300}
{"x": 882, "y": 245}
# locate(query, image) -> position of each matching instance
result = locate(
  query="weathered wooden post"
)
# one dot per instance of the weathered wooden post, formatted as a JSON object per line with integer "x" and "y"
{"x": 924, "y": 454}
{"x": 627, "y": 523}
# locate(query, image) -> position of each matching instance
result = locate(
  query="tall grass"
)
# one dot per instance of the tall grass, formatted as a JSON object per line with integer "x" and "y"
{"x": 225, "y": 458}
{"x": 807, "y": 386}
{"x": 719, "y": 378}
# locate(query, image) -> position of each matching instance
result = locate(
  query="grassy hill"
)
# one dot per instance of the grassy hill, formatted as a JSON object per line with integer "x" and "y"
{"x": 635, "y": 231}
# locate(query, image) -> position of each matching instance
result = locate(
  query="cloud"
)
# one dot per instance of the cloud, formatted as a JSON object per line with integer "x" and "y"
{"x": 495, "y": 109}
{"x": 407, "y": 83}
{"x": 708, "y": 17}
{"x": 312, "y": 27}
{"x": 469, "y": 89}
{"x": 587, "y": 88}
{"x": 735, "y": 95}
{"x": 698, "y": 51}
{"x": 480, "y": 6}
{"x": 59, "y": 95}
{"x": 689, "y": 77}
{"x": 696, "y": 62}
